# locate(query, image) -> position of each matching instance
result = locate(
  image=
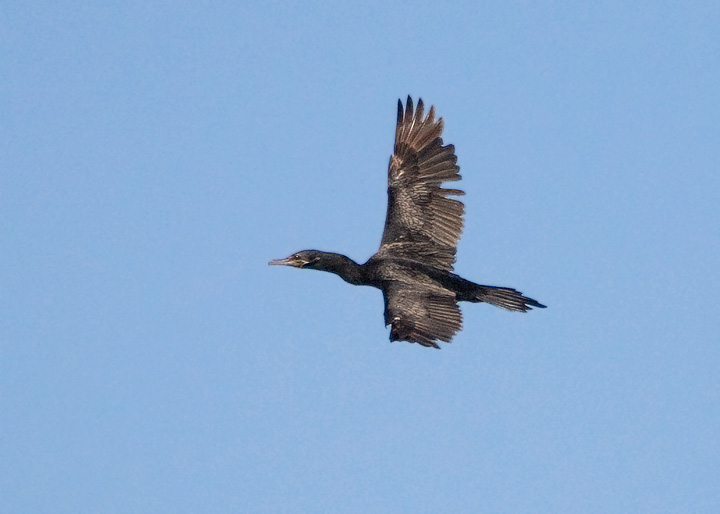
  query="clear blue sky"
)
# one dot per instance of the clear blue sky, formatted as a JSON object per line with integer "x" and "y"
{"x": 155, "y": 156}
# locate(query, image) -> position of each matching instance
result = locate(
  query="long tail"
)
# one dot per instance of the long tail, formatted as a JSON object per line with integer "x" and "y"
{"x": 505, "y": 297}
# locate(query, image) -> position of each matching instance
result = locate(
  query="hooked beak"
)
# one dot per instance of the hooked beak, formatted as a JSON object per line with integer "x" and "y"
{"x": 280, "y": 262}
{"x": 288, "y": 261}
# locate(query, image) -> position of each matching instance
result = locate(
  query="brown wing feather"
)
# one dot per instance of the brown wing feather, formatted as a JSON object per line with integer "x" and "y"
{"x": 421, "y": 316}
{"x": 422, "y": 223}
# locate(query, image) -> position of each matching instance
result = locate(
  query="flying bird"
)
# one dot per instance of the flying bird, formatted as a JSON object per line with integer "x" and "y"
{"x": 414, "y": 265}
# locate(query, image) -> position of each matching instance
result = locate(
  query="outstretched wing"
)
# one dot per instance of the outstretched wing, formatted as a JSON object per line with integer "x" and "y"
{"x": 422, "y": 223}
{"x": 420, "y": 316}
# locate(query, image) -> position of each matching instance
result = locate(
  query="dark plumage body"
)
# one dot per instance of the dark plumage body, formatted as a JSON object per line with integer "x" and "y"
{"x": 414, "y": 264}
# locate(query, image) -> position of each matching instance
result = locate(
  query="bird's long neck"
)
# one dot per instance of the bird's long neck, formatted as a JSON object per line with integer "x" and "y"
{"x": 349, "y": 270}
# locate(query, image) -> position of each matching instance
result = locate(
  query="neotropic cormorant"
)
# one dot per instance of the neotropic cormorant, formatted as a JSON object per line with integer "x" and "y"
{"x": 414, "y": 265}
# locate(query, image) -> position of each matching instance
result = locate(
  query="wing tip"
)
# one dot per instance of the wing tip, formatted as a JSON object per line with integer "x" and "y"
{"x": 408, "y": 111}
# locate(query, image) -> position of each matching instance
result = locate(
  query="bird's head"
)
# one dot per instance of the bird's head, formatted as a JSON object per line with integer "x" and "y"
{"x": 305, "y": 259}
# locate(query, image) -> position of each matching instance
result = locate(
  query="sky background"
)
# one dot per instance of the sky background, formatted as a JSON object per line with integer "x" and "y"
{"x": 154, "y": 157}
